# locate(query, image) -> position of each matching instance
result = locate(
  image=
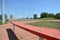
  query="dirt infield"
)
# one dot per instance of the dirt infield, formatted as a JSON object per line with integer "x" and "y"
{"x": 31, "y": 21}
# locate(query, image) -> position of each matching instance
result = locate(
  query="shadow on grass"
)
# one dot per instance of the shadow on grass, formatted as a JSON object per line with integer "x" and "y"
{"x": 11, "y": 35}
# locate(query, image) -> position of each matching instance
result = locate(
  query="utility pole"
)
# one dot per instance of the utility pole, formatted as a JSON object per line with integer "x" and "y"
{"x": 2, "y": 12}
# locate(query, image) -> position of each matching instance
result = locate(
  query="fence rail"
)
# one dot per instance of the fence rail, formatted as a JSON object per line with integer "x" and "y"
{"x": 42, "y": 32}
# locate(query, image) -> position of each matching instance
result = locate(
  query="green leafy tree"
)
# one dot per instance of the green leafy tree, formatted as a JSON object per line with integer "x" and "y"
{"x": 57, "y": 16}
{"x": 35, "y": 16}
{"x": 6, "y": 17}
{"x": 11, "y": 16}
{"x": 50, "y": 15}
{"x": 27, "y": 17}
{"x": 0, "y": 17}
{"x": 44, "y": 14}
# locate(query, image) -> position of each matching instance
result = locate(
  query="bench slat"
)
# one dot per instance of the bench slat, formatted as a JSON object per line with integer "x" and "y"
{"x": 47, "y": 33}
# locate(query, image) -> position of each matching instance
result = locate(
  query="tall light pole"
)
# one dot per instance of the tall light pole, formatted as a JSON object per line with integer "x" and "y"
{"x": 2, "y": 12}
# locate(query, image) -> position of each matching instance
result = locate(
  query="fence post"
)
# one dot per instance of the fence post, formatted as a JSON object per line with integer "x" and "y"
{"x": 13, "y": 27}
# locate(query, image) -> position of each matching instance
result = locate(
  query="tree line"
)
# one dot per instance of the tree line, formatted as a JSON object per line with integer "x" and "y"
{"x": 35, "y": 16}
{"x": 6, "y": 17}
{"x": 45, "y": 15}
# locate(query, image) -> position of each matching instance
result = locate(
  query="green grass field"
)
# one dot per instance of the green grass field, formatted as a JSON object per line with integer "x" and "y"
{"x": 48, "y": 18}
{"x": 48, "y": 24}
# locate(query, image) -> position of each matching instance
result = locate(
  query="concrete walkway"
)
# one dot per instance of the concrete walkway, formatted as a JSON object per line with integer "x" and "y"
{"x": 3, "y": 33}
{"x": 7, "y": 33}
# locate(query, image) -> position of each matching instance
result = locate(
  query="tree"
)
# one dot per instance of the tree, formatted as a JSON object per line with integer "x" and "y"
{"x": 44, "y": 14}
{"x": 50, "y": 15}
{"x": 35, "y": 16}
{"x": 6, "y": 17}
{"x": 0, "y": 17}
{"x": 11, "y": 16}
{"x": 57, "y": 16}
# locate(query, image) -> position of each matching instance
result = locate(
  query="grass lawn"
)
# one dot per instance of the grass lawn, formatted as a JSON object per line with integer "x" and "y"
{"x": 48, "y": 24}
{"x": 48, "y": 18}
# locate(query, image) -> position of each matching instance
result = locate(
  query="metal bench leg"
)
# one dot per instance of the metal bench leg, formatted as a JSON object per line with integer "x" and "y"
{"x": 40, "y": 38}
{"x": 13, "y": 27}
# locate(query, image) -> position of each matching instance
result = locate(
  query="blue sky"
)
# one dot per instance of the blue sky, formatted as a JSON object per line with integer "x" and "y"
{"x": 24, "y": 8}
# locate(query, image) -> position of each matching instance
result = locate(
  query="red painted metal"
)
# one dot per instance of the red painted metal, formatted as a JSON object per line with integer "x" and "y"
{"x": 47, "y": 33}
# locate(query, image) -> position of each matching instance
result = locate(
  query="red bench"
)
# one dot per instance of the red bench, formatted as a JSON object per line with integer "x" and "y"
{"x": 46, "y": 33}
